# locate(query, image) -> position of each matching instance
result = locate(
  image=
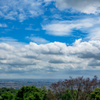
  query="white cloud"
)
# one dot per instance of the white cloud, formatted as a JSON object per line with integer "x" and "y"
{"x": 47, "y": 58}
{"x": 3, "y": 25}
{"x": 58, "y": 29}
{"x": 94, "y": 34}
{"x": 61, "y": 28}
{"x": 17, "y": 9}
{"x": 7, "y": 39}
{"x": 83, "y": 6}
{"x": 91, "y": 26}
{"x": 37, "y": 39}
{"x": 85, "y": 50}
{"x": 11, "y": 41}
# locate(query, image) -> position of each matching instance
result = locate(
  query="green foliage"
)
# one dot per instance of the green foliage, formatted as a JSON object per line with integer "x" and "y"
{"x": 28, "y": 93}
{"x": 7, "y": 96}
{"x": 37, "y": 96}
{"x": 11, "y": 90}
{"x": 43, "y": 92}
{"x": 31, "y": 97}
{"x": 96, "y": 94}
{"x": 67, "y": 95}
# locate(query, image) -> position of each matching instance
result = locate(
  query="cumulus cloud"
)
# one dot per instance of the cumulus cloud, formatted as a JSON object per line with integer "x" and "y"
{"x": 83, "y": 6}
{"x": 94, "y": 63}
{"x": 85, "y": 49}
{"x": 55, "y": 48}
{"x": 17, "y": 9}
{"x": 48, "y": 58}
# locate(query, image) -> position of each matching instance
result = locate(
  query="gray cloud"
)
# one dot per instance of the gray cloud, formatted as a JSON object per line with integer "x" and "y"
{"x": 83, "y": 6}
{"x": 56, "y": 61}
{"x": 94, "y": 63}
{"x": 89, "y": 55}
{"x": 52, "y": 53}
{"x": 31, "y": 57}
{"x": 51, "y": 69}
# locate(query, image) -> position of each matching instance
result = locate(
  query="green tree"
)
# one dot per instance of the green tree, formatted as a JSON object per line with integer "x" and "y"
{"x": 96, "y": 94}
{"x": 37, "y": 96}
{"x": 4, "y": 89}
{"x": 28, "y": 93}
{"x": 7, "y": 96}
{"x": 31, "y": 97}
{"x": 43, "y": 92}
{"x": 67, "y": 95}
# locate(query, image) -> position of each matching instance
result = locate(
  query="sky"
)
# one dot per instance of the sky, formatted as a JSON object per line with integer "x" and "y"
{"x": 49, "y": 39}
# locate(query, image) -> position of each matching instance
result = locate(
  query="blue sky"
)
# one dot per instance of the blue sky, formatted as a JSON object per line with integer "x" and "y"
{"x": 49, "y": 38}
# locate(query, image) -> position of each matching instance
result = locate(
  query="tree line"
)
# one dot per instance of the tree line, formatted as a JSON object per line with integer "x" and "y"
{"x": 79, "y": 88}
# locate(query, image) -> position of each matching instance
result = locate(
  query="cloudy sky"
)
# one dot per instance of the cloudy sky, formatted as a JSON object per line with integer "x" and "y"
{"x": 49, "y": 39}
